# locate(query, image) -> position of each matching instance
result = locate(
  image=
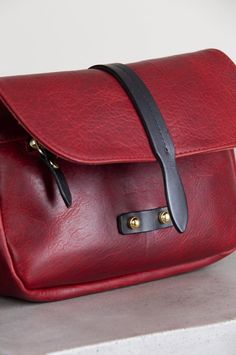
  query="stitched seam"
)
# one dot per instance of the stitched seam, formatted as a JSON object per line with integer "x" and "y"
{"x": 120, "y": 159}
{"x": 206, "y": 149}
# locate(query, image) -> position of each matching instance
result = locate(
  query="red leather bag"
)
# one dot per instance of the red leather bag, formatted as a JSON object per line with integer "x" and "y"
{"x": 116, "y": 175}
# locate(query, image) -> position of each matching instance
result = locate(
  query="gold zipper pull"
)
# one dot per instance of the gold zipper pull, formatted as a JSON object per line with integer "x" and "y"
{"x": 35, "y": 145}
{"x": 48, "y": 159}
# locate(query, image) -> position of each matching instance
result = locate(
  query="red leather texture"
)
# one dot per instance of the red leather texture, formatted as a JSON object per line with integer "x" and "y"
{"x": 48, "y": 252}
{"x": 85, "y": 116}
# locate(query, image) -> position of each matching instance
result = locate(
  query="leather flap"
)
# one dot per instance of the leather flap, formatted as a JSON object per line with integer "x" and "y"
{"x": 85, "y": 116}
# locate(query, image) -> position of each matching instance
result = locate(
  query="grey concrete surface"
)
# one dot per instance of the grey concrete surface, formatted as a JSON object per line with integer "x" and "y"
{"x": 190, "y": 313}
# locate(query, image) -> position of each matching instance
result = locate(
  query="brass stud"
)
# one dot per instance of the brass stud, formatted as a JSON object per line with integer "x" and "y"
{"x": 134, "y": 222}
{"x": 164, "y": 217}
{"x": 33, "y": 144}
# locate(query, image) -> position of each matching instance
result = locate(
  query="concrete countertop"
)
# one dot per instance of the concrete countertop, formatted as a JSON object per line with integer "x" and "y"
{"x": 193, "y": 313}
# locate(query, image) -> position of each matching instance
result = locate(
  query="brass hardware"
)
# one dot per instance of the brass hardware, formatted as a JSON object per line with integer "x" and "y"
{"x": 46, "y": 156}
{"x": 35, "y": 145}
{"x": 54, "y": 165}
{"x": 134, "y": 222}
{"x": 164, "y": 217}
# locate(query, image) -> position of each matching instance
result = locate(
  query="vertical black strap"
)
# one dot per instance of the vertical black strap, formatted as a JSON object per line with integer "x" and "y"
{"x": 158, "y": 136}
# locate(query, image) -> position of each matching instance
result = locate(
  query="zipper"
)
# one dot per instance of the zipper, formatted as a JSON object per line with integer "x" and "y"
{"x": 49, "y": 159}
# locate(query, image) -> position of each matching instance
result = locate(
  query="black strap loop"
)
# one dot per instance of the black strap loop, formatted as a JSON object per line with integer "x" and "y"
{"x": 159, "y": 138}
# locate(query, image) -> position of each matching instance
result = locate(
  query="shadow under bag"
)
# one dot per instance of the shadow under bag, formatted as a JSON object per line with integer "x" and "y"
{"x": 116, "y": 175}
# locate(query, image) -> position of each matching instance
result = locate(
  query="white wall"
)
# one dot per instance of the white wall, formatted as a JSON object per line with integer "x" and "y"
{"x": 51, "y": 35}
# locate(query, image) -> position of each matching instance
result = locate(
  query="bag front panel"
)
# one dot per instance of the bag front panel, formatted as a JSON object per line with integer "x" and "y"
{"x": 52, "y": 246}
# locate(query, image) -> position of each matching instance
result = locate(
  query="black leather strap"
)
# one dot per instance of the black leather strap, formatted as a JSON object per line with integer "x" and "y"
{"x": 48, "y": 158}
{"x": 59, "y": 177}
{"x": 159, "y": 138}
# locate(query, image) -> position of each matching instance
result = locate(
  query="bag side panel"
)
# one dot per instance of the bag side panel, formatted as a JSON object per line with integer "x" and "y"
{"x": 10, "y": 284}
